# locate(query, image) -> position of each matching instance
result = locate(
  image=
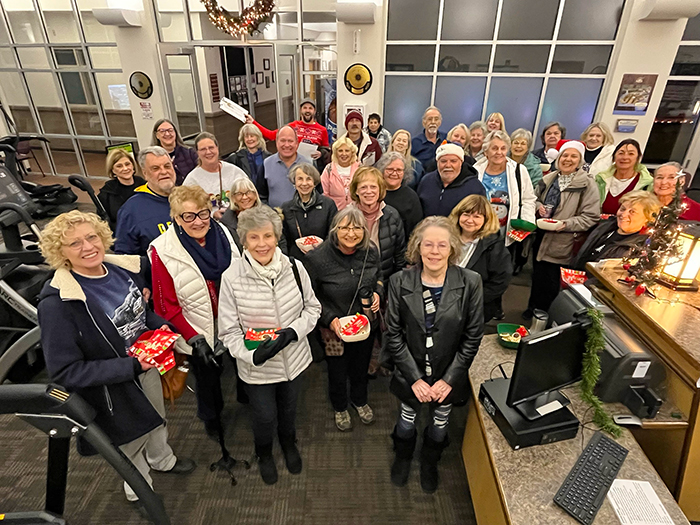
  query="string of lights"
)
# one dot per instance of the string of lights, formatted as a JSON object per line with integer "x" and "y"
{"x": 247, "y": 23}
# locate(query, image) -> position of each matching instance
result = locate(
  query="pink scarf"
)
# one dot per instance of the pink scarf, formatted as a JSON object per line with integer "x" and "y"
{"x": 372, "y": 215}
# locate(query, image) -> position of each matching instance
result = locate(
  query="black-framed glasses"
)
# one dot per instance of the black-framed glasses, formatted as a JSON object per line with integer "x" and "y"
{"x": 190, "y": 216}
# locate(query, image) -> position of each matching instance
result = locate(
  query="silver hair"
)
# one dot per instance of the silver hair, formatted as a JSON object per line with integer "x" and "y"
{"x": 522, "y": 133}
{"x": 244, "y": 184}
{"x": 676, "y": 165}
{"x": 258, "y": 217}
{"x": 152, "y": 150}
{"x": 496, "y": 134}
{"x": 306, "y": 168}
{"x": 391, "y": 156}
{"x": 430, "y": 108}
{"x": 354, "y": 217}
{"x": 480, "y": 124}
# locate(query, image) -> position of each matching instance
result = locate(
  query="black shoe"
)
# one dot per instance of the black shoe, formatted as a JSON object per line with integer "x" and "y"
{"x": 212, "y": 429}
{"x": 403, "y": 448}
{"x": 527, "y": 315}
{"x": 182, "y": 466}
{"x": 292, "y": 458}
{"x": 499, "y": 315}
{"x": 429, "y": 457}
{"x": 266, "y": 464}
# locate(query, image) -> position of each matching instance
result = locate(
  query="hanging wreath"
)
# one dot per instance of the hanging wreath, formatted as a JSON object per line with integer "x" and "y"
{"x": 248, "y": 22}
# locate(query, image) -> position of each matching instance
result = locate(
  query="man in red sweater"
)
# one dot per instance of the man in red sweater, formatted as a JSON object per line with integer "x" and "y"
{"x": 307, "y": 129}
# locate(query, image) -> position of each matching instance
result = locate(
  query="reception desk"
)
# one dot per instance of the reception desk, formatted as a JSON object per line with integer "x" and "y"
{"x": 670, "y": 325}
{"x": 518, "y": 486}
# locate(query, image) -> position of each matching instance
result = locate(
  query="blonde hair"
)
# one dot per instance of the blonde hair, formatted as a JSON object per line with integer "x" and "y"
{"x": 608, "y": 138}
{"x": 361, "y": 173}
{"x": 54, "y": 235}
{"x": 413, "y": 249}
{"x": 496, "y": 135}
{"x": 649, "y": 202}
{"x": 250, "y": 129}
{"x": 464, "y": 128}
{"x": 115, "y": 156}
{"x": 393, "y": 138}
{"x": 344, "y": 141}
{"x": 182, "y": 194}
{"x": 476, "y": 204}
{"x": 522, "y": 133}
{"x": 500, "y": 118}
{"x": 244, "y": 183}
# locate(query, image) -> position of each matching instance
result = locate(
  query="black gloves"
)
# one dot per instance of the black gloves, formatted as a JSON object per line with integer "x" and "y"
{"x": 270, "y": 348}
{"x": 202, "y": 350}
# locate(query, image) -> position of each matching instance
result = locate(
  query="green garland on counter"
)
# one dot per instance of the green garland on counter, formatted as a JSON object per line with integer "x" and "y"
{"x": 591, "y": 372}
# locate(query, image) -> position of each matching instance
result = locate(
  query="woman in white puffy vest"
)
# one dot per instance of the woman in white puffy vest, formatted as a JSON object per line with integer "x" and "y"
{"x": 266, "y": 290}
{"x": 187, "y": 262}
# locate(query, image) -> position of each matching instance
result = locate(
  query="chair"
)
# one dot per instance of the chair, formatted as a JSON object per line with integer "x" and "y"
{"x": 25, "y": 152}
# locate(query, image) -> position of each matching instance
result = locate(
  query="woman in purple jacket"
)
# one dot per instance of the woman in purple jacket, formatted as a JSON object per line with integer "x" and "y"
{"x": 184, "y": 159}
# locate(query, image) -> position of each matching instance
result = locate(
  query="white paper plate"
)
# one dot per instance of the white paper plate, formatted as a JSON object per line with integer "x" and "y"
{"x": 359, "y": 336}
{"x": 547, "y": 224}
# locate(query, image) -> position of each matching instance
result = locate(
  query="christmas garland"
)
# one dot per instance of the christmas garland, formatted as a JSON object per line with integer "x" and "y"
{"x": 595, "y": 342}
{"x": 248, "y": 22}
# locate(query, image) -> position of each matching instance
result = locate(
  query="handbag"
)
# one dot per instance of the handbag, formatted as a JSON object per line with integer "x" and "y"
{"x": 174, "y": 381}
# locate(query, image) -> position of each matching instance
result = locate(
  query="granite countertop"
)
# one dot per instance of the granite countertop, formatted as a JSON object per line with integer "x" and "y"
{"x": 530, "y": 477}
{"x": 678, "y": 321}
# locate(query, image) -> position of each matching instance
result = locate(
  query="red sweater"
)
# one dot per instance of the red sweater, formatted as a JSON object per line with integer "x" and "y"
{"x": 165, "y": 301}
{"x": 309, "y": 133}
{"x": 692, "y": 211}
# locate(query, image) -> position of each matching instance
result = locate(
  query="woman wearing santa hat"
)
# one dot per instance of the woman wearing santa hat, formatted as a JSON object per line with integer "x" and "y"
{"x": 569, "y": 198}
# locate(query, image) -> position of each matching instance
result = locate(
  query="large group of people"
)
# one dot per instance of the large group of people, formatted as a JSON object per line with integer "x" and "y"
{"x": 422, "y": 234}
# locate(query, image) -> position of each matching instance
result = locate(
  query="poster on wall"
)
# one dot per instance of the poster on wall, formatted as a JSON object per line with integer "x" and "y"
{"x": 330, "y": 108}
{"x": 634, "y": 95}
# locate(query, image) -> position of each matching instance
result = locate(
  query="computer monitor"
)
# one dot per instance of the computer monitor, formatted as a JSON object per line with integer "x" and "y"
{"x": 546, "y": 361}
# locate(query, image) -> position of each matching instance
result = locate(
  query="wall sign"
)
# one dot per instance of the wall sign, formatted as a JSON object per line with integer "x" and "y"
{"x": 141, "y": 85}
{"x": 358, "y": 79}
{"x": 634, "y": 95}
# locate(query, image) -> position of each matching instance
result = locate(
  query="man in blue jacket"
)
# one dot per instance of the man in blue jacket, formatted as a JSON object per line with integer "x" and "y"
{"x": 424, "y": 146}
{"x": 441, "y": 190}
{"x": 147, "y": 213}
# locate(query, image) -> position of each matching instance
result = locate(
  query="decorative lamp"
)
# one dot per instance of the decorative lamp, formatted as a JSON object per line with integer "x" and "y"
{"x": 682, "y": 273}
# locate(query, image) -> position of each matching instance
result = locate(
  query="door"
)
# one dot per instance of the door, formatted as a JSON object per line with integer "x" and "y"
{"x": 287, "y": 83}
{"x": 183, "y": 89}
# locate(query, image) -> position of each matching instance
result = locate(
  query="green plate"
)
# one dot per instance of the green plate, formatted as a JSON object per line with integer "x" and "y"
{"x": 252, "y": 344}
{"x": 507, "y": 328}
{"x": 520, "y": 224}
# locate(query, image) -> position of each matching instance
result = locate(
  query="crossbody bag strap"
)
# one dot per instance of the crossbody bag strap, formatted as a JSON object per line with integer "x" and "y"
{"x": 359, "y": 283}
{"x": 520, "y": 190}
{"x": 297, "y": 277}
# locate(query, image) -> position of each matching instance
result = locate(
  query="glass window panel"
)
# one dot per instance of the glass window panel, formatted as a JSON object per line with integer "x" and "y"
{"x": 94, "y": 156}
{"x": 37, "y": 162}
{"x": 469, "y": 19}
{"x": 46, "y": 99}
{"x": 33, "y": 57}
{"x": 202, "y": 28}
{"x": 82, "y": 103}
{"x": 114, "y": 94}
{"x": 59, "y": 20}
{"x": 284, "y": 26}
{"x": 7, "y": 57}
{"x": 69, "y": 57}
{"x": 280, "y": 5}
{"x": 24, "y": 22}
{"x": 182, "y": 83}
{"x": 528, "y": 19}
{"x": 675, "y": 122}
{"x": 464, "y": 58}
{"x": 581, "y": 59}
{"x": 94, "y": 31}
{"x": 15, "y": 99}
{"x": 571, "y": 101}
{"x": 521, "y": 59}
{"x": 410, "y": 58}
{"x": 692, "y": 29}
{"x": 405, "y": 100}
{"x": 517, "y": 99}
{"x": 320, "y": 25}
{"x": 590, "y": 19}
{"x": 105, "y": 57}
{"x": 687, "y": 61}
{"x": 64, "y": 157}
{"x": 4, "y": 34}
{"x": 320, "y": 59}
{"x": 323, "y": 91}
{"x": 412, "y": 20}
{"x": 460, "y": 99}
{"x": 171, "y": 20}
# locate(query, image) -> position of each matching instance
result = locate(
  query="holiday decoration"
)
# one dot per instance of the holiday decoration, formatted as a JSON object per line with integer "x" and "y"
{"x": 248, "y": 22}
{"x": 595, "y": 343}
{"x": 647, "y": 260}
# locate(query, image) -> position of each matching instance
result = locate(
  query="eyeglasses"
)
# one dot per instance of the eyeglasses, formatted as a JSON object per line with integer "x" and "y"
{"x": 348, "y": 229}
{"x": 205, "y": 150}
{"x": 241, "y": 194}
{"x": 519, "y": 143}
{"x": 78, "y": 243}
{"x": 190, "y": 216}
{"x": 167, "y": 131}
{"x": 393, "y": 170}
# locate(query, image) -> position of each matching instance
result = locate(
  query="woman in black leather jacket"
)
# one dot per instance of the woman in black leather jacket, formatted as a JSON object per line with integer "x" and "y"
{"x": 435, "y": 323}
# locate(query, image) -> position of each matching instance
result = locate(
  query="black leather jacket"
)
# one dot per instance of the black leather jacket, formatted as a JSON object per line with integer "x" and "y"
{"x": 459, "y": 327}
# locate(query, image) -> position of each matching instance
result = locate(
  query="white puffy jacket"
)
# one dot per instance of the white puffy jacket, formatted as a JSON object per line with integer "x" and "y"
{"x": 190, "y": 285}
{"x": 603, "y": 161}
{"x": 246, "y": 300}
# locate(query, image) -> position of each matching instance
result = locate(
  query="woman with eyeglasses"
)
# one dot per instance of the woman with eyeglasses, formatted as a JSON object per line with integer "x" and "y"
{"x": 399, "y": 194}
{"x": 184, "y": 159}
{"x": 186, "y": 264}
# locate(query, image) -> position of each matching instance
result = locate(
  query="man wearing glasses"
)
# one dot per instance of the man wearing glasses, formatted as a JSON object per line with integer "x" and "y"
{"x": 147, "y": 213}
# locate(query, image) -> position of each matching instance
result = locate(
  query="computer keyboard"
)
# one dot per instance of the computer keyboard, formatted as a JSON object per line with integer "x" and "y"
{"x": 584, "y": 489}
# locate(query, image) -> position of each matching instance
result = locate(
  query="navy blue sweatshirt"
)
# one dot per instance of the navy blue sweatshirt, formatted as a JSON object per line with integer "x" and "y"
{"x": 140, "y": 220}
{"x": 438, "y": 199}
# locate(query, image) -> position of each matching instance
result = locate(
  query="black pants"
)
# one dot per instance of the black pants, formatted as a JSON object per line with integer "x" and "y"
{"x": 210, "y": 400}
{"x": 546, "y": 283}
{"x": 351, "y": 365}
{"x": 273, "y": 403}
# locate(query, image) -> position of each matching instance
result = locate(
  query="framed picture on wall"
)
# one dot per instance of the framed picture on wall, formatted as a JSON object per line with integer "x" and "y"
{"x": 272, "y": 74}
{"x": 266, "y": 64}
{"x": 259, "y": 78}
{"x": 267, "y": 81}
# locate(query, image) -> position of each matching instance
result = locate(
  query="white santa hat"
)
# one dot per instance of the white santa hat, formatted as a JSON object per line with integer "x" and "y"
{"x": 573, "y": 144}
{"x": 449, "y": 148}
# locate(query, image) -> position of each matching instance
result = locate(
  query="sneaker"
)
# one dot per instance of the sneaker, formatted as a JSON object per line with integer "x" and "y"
{"x": 343, "y": 421}
{"x": 182, "y": 466}
{"x": 366, "y": 414}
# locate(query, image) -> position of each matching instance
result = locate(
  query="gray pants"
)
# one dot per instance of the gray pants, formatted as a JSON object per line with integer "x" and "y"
{"x": 150, "y": 451}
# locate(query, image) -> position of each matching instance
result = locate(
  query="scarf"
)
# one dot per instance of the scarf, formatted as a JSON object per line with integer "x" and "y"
{"x": 371, "y": 213}
{"x": 214, "y": 257}
{"x": 306, "y": 206}
{"x": 271, "y": 270}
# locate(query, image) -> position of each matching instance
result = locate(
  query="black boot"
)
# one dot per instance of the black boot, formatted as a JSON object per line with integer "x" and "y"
{"x": 291, "y": 453}
{"x": 429, "y": 456}
{"x": 266, "y": 463}
{"x": 402, "y": 460}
